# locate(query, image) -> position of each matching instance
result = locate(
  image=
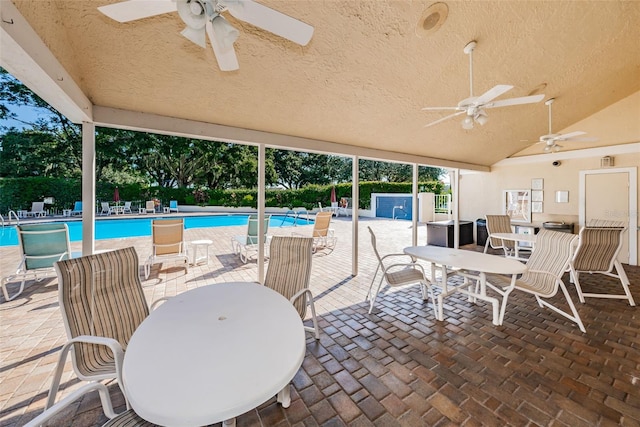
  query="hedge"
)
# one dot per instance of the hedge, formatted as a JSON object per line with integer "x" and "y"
{"x": 19, "y": 193}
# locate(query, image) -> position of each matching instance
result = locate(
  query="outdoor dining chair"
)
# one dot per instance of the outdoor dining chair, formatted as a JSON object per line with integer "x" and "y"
{"x": 167, "y": 239}
{"x": 40, "y": 246}
{"x": 102, "y": 303}
{"x": 397, "y": 274}
{"x": 247, "y": 244}
{"x": 597, "y": 252}
{"x": 289, "y": 272}
{"x": 545, "y": 268}
{"x": 499, "y": 224}
{"x": 323, "y": 236}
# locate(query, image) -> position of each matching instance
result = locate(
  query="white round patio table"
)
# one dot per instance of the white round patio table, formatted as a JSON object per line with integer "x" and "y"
{"x": 213, "y": 353}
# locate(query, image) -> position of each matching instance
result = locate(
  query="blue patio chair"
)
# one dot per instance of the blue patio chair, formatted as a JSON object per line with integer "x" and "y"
{"x": 244, "y": 244}
{"x": 77, "y": 209}
{"x": 41, "y": 245}
{"x": 173, "y": 206}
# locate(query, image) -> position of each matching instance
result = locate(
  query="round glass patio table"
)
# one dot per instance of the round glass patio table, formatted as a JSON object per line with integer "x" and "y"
{"x": 213, "y": 353}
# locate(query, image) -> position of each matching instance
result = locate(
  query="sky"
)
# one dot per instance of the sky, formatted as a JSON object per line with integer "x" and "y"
{"x": 28, "y": 114}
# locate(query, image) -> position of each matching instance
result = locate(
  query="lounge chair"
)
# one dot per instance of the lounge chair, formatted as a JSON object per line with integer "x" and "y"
{"x": 243, "y": 245}
{"x": 545, "y": 268}
{"x": 323, "y": 236}
{"x": 105, "y": 208}
{"x": 37, "y": 209}
{"x": 77, "y": 208}
{"x": 41, "y": 245}
{"x": 398, "y": 273}
{"x": 127, "y": 208}
{"x": 150, "y": 206}
{"x": 167, "y": 237}
{"x": 597, "y": 252}
{"x": 173, "y": 206}
{"x": 102, "y": 303}
{"x": 289, "y": 272}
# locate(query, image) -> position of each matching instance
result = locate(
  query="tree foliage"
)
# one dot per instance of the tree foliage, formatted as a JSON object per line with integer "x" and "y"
{"x": 52, "y": 147}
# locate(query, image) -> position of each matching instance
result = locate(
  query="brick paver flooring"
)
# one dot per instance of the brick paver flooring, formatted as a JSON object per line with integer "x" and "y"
{"x": 395, "y": 367}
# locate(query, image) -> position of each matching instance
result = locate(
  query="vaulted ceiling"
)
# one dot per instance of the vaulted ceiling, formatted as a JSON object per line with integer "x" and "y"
{"x": 367, "y": 72}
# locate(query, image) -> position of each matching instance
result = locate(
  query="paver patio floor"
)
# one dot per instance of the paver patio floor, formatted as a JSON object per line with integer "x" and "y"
{"x": 397, "y": 366}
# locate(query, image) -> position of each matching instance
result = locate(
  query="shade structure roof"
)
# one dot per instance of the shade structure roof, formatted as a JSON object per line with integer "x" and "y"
{"x": 361, "y": 82}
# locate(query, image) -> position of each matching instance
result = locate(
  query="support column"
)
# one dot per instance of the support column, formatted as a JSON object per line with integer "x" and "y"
{"x": 414, "y": 208}
{"x": 355, "y": 197}
{"x": 88, "y": 187}
{"x": 454, "y": 177}
{"x": 261, "y": 210}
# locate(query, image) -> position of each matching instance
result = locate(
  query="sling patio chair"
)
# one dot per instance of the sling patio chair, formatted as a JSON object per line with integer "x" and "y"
{"x": 149, "y": 207}
{"x": 245, "y": 245}
{"x": 37, "y": 210}
{"x": 102, "y": 303}
{"x": 397, "y": 274}
{"x": 173, "y": 206}
{"x": 167, "y": 237}
{"x": 500, "y": 224}
{"x": 289, "y": 272}
{"x": 545, "y": 268}
{"x": 597, "y": 252}
{"x": 323, "y": 236}
{"x": 40, "y": 246}
{"x": 77, "y": 208}
{"x": 105, "y": 209}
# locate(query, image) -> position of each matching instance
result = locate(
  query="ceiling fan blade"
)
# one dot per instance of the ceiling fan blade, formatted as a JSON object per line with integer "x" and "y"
{"x": 570, "y": 135}
{"x": 270, "y": 20}
{"x": 581, "y": 139}
{"x": 444, "y": 118}
{"x": 197, "y": 36}
{"x": 132, "y": 10}
{"x": 516, "y": 101}
{"x": 442, "y": 108}
{"x": 492, "y": 93}
{"x": 226, "y": 57}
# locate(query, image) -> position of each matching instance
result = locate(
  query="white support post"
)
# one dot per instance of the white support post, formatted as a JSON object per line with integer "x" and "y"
{"x": 88, "y": 187}
{"x": 355, "y": 197}
{"x": 414, "y": 209}
{"x": 261, "y": 210}
{"x": 454, "y": 176}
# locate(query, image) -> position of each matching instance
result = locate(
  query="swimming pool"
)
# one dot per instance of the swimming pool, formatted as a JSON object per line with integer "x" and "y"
{"x": 139, "y": 227}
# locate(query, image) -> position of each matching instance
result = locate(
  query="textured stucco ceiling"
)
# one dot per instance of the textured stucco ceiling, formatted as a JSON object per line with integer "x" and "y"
{"x": 367, "y": 72}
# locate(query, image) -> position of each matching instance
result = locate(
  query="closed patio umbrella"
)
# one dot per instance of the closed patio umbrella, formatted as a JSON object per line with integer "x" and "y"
{"x": 116, "y": 195}
{"x": 333, "y": 195}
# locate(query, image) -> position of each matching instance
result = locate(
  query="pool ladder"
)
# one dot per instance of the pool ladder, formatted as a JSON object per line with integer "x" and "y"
{"x": 295, "y": 213}
{"x": 9, "y": 218}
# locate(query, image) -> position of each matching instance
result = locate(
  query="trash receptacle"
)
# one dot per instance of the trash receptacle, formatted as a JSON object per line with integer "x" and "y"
{"x": 558, "y": 226}
{"x": 481, "y": 231}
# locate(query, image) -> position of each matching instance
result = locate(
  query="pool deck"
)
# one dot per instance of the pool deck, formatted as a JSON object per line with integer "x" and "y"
{"x": 395, "y": 367}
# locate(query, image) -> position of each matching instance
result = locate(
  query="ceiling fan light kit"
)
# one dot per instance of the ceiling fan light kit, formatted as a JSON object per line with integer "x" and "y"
{"x": 474, "y": 106}
{"x": 204, "y": 17}
{"x": 551, "y": 139}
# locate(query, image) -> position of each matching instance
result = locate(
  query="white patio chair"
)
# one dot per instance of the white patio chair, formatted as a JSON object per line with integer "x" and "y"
{"x": 105, "y": 208}
{"x": 102, "y": 303}
{"x": 545, "y": 268}
{"x": 127, "y": 208}
{"x": 398, "y": 274}
{"x": 597, "y": 252}
{"x": 289, "y": 272}
{"x": 37, "y": 209}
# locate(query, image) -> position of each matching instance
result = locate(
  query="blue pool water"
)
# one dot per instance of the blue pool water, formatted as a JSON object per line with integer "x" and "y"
{"x": 138, "y": 227}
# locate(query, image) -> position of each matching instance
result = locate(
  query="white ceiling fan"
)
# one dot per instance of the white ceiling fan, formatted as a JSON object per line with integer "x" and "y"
{"x": 551, "y": 139}
{"x": 474, "y": 106}
{"x": 204, "y": 16}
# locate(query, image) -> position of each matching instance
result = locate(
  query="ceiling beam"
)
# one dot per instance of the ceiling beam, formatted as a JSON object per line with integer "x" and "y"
{"x": 609, "y": 150}
{"x": 27, "y": 58}
{"x": 144, "y": 122}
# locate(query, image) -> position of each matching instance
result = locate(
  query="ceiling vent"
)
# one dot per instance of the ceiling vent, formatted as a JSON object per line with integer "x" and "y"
{"x": 432, "y": 19}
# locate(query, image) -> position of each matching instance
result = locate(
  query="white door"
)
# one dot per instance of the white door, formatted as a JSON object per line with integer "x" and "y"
{"x": 607, "y": 196}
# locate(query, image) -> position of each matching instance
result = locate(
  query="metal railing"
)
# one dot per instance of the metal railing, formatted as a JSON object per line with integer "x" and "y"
{"x": 442, "y": 203}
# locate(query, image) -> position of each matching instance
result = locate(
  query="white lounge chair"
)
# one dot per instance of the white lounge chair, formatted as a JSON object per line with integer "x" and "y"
{"x": 37, "y": 209}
